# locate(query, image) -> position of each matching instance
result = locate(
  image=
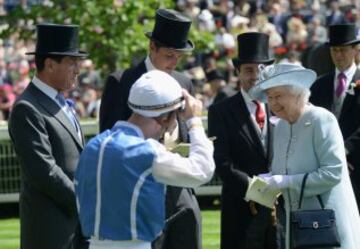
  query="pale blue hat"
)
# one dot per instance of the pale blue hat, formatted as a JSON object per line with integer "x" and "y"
{"x": 281, "y": 75}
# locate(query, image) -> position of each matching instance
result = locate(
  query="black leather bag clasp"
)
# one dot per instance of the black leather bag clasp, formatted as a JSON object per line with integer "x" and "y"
{"x": 313, "y": 228}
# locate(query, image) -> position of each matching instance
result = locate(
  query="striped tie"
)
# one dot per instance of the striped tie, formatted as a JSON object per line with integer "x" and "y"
{"x": 69, "y": 113}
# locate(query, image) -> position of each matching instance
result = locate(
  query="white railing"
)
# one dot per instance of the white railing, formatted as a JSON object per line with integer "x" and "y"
{"x": 10, "y": 170}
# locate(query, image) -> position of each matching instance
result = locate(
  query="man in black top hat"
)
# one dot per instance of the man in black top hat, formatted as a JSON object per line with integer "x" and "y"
{"x": 168, "y": 42}
{"x": 48, "y": 141}
{"x": 339, "y": 92}
{"x": 218, "y": 86}
{"x": 242, "y": 150}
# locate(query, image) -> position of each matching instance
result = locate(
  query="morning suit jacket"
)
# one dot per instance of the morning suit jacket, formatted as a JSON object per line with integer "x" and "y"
{"x": 238, "y": 155}
{"x": 226, "y": 92}
{"x": 48, "y": 149}
{"x": 185, "y": 230}
{"x": 322, "y": 94}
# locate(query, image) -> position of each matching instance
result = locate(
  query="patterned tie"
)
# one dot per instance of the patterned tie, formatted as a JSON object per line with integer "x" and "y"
{"x": 341, "y": 84}
{"x": 260, "y": 114}
{"x": 69, "y": 113}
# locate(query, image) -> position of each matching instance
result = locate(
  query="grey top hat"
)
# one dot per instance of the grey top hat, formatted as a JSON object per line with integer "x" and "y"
{"x": 342, "y": 35}
{"x": 281, "y": 75}
{"x": 171, "y": 29}
{"x": 58, "y": 39}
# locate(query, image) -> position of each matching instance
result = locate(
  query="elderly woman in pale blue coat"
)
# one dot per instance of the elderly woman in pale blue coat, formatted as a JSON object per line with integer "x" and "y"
{"x": 307, "y": 139}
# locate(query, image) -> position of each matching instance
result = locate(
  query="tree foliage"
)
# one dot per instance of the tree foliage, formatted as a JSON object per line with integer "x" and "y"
{"x": 112, "y": 31}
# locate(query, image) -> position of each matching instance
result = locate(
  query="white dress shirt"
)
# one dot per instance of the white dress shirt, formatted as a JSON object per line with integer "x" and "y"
{"x": 251, "y": 106}
{"x": 48, "y": 90}
{"x": 338, "y": 102}
{"x": 52, "y": 93}
{"x": 148, "y": 64}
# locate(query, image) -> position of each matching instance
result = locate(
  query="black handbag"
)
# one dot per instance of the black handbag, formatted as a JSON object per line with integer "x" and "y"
{"x": 313, "y": 228}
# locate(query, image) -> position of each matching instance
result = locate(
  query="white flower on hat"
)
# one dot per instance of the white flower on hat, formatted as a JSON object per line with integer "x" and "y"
{"x": 154, "y": 94}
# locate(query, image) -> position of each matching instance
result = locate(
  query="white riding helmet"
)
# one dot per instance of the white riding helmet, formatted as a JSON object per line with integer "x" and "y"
{"x": 154, "y": 94}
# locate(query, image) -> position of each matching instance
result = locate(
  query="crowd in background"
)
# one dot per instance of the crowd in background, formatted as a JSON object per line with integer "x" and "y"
{"x": 294, "y": 27}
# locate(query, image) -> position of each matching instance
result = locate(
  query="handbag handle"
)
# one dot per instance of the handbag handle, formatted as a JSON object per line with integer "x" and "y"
{"x": 302, "y": 193}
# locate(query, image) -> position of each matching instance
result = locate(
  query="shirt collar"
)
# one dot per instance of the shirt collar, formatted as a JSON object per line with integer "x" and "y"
{"x": 148, "y": 64}
{"x": 349, "y": 73}
{"x": 45, "y": 88}
{"x": 246, "y": 96}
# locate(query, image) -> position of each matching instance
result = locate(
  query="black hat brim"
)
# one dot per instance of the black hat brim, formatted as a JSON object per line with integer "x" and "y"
{"x": 236, "y": 62}
{"x": 188, "y": 47}
{"x": 353, "y": 42}
{"x": 71, "y": 54}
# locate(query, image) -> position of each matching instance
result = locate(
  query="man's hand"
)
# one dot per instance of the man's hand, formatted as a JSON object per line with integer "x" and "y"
{"x": 253, "y": 209}
{"x": 193, "y": 107}
{"x": 273, "y": 216}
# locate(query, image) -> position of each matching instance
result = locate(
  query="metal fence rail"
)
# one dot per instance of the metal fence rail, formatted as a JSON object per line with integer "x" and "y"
{"x": 10, "y": 168}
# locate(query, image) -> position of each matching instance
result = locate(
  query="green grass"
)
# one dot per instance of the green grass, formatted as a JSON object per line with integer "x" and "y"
{"x": 211, "y": 229}
{"x": 9, "y": 231}
{"x": 9, "y": 234}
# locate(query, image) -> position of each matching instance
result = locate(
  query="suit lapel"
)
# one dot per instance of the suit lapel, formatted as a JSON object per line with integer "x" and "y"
{"x": 350, "y": 98}
{"x": 141, "y": 68}
{"x": 53, "y": 109}
{"x": 322, "y": 92}
{"x": 269, "y": 135}
{"x": 247, "y": 126}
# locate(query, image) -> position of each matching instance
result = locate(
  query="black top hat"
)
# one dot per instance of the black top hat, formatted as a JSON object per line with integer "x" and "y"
{"x": 342, "y": 35}
{"x": 214, "y": 75}
{"x": 171, "y": 30}
{"x": 55, "y": 39}
{"x": 253, "y": 47}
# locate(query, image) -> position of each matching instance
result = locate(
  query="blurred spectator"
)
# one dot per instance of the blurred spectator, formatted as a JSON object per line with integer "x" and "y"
{"x": 5, "y": 77}
{"x": 191, "y": 8}
{"x": 219, "y": 88}
{"x": 23, "y": 78}
{"x": 197, "y": 76}
{"x": 278, "y": 18}
{"x": 79, "y": 107}
{"x": 293, "y": 57}
{"x": 242, "y": 8}
{"x": 89, "y": 76}
{"x": 296, "y": 7}
{"x": 90, "y": 101}
{"x": 239, "y": 24}
{"x": 2, "y": 8}
{"x": 357, "y": 19}
{"x": 225, "y": 19}
{"x": 335, "y": 15}
{"x": 7, "y": 98}
{"x": 209, "y": 63}
{"x": 206, "y": 96}
{"x": 225, "y": 41}
{"x": 220, "y": 11}
{"x": 297, "y": 34}
{"x": 316, "y": 12}
{"x": 275, "y": 39}
{"x": 206, "y": 21}
{"x": 316, "y": 32}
